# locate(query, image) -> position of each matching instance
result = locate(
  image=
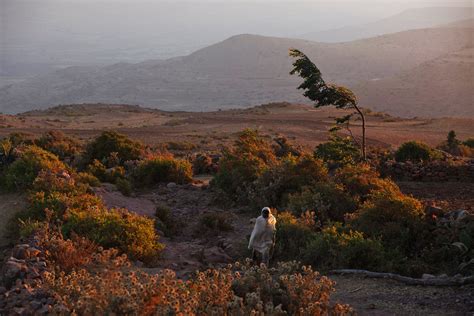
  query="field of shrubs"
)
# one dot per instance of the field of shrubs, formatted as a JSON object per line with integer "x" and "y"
{"x": 334, "y": 210}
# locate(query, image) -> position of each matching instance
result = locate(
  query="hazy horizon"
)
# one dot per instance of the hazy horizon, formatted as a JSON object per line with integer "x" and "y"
{"x": 38, "y": 36}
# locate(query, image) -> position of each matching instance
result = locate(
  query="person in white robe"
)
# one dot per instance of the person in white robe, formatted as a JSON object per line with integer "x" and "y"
{"x": 262, "y": 239}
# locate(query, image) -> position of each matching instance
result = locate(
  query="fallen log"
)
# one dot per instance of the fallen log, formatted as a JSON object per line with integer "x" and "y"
{"x": 432, "y": 281}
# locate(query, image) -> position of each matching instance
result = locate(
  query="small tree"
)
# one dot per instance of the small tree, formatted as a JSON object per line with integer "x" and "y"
{"x": 452, "y": 141}
{"x": 323, "y": 94}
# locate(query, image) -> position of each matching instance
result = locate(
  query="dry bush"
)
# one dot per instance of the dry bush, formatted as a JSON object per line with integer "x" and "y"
{"x": 68, "y": 254}
{"x": 242, "y": 289}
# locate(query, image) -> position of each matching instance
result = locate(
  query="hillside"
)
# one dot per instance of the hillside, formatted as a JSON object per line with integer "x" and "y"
{"x": 441, "y": 87}
{"x": 407, "y": 20}
{"x": 238, "y": 72}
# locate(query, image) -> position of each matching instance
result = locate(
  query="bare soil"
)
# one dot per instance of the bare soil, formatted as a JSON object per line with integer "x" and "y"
{"x": 210, "y": 130}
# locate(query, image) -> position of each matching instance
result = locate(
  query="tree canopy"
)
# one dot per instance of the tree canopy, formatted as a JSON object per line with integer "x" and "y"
{"x": 316, "y": 89}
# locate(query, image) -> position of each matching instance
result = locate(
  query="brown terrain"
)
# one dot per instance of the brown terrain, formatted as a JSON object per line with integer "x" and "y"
{"x": 193, "y": 249}
{"x": 210, "y": 130}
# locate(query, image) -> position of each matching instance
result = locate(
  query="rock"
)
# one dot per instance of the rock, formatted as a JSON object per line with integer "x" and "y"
{"x": 35, "y": 305}
{"x": 13, "y": 269}
{"x": 171, "y": 185}
{"x": 427, "y": 276}
{"x": 433, "y": 210}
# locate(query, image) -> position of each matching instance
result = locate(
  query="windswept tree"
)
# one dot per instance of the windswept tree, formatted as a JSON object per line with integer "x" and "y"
{"x": 324, "y": 94}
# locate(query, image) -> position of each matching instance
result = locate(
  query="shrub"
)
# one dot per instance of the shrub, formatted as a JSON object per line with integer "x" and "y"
{"x": 415, "y": 152}
{"x": 87, "y": 178}
{"x": 180, "y": 146}
{"x": 124, "y": 186}
{"x": 289, "y": 176}
{"x": 162, "y": 169}
{"x": 292, "y": 236}
{"x": 333, "y": 248}
{"x": 395, "y": 218}
{"x": 110, "y": 142}
{"x": 59, "y": 144}
{"x": 97, "y": 169}
{"x": 116, "y": 228}
{"x": 243, "y": 289}
{"x": 469, "y": 142}
{"x": 214, "y": 223}
{"x": 23, "y": 171}
{"x": 202, "y": 164}
{"x": 68, "y": 254}
{"x": 329, "y": 201}
{"x": 361, "y": 181}
{"x": 169, "y": 224}
{"x": 338, "y": 151}
{"x": 242, "y": 164}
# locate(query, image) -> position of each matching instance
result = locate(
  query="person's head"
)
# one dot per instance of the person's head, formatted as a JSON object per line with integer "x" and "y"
{"x": 266, "y": 212}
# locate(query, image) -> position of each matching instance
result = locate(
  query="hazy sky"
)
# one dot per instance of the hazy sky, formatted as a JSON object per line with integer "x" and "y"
{"x": 35, "y": 33}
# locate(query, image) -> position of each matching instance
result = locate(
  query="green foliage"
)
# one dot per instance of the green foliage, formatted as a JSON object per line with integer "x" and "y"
{"x": 333, "y": 248}
{"x": 97, "y": 169}
{"x": 116, "y": 228}
{"x": 361, "y": 181}
{"x": 292, "y": 236}
{"x": 242, "y": 164}
{"x": 328, "y": 200}
{"x": 23, "y": 171}
{"x": 87, "y": 178}
{"x": 415, "y": 151}
{"x": 452, "y": 141}
{"x": 214, "y": 223}
{"x": 111, "y": 142}
{"x": 162, "y": 169}
{"x": 469, "y": 142}
{"x": 167, "y": 223}
{"x": 395, "y": 218}
{"x": 286, "y": 177}
{"x": 124, "y": 186}
{"x": 316, "y": 88}
{"x": 59, "y": 144}
{"x": 338, "y": 151}
{"x": 180, "y": 146}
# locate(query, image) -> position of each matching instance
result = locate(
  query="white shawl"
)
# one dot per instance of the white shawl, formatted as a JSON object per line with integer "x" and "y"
{"x": 262, "y": 234}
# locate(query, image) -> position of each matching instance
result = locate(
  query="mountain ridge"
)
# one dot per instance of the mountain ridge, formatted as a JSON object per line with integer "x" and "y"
{"x": 240, "y": 71}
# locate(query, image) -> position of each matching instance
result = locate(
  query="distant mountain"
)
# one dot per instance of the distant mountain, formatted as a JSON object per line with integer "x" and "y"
{"x": 407, "y": 20}
{"x": 243, "y": 71}
{"x": 440, "y": 87}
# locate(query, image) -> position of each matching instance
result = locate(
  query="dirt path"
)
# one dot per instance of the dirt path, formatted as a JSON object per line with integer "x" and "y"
{"x": 193, "y": 247}
{"x": 388, "y": 297}
{"x": 10, "y": 204}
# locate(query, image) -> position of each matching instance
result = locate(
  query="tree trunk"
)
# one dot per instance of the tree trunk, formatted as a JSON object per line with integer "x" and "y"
{"x": 362, "y": 116}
